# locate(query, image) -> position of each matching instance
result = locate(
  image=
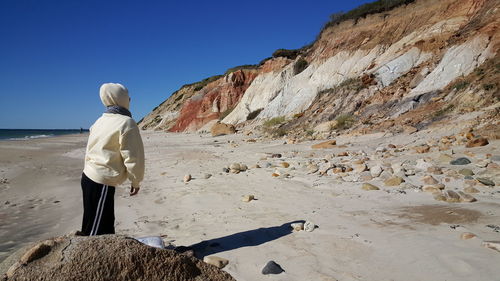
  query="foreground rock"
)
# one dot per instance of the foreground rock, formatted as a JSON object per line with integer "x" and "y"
{"x": 107, "y": 257}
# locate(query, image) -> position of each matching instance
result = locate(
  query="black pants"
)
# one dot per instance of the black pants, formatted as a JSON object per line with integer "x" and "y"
{"x": 98, "y": 208}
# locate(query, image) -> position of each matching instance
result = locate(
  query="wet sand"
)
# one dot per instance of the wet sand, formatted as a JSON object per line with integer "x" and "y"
{"x": 41, "y": 197}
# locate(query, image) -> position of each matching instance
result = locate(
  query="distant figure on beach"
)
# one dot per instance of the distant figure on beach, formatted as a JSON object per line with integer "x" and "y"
{"x": 114, "y": 154}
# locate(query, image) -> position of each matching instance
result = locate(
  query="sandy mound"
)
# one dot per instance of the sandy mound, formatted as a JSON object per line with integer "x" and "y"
{"x": 108, "y": 257}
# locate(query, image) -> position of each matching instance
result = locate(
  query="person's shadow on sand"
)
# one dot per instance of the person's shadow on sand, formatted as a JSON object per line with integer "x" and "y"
{"x": 248, "y": 238}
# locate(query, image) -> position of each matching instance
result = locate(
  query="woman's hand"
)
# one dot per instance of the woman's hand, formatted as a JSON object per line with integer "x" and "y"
{"x": 134, "y": 190}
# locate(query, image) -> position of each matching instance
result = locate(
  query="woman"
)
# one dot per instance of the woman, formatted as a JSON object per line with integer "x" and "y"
{"x": 114, "y": 154}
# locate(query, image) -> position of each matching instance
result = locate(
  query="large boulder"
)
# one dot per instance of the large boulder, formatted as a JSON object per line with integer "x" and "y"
{"x": 220, "y": 129}
{"x": 106, "y": 257}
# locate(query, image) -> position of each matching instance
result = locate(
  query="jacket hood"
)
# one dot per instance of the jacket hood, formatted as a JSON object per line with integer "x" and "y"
{"x": 114, "y": 94}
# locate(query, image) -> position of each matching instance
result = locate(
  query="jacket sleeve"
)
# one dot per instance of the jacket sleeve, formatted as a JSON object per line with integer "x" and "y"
{"x": 132, "y": 152}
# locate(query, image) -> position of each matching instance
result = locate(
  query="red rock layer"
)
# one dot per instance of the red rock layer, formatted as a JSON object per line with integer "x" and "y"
{"x": 211, "y": 101}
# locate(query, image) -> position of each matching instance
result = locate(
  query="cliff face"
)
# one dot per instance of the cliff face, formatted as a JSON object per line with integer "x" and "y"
{"x": 213, "y": 100}
{"x": 379, "y": 67}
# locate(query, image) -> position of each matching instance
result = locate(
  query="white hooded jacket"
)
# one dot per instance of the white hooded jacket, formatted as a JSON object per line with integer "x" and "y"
{"x": 114, "y": 150}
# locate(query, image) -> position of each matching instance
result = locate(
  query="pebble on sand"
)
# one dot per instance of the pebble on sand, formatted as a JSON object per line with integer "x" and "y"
{"x": 247, "y": 198}
{"x": 272, "y": 268}
{"x": 368, "y": 186}
{"x": 467, "y": 236}
{"x": 309, "y": 226}
{"x": 460, "y": 161}
{"x": 495, "y": 245}
{"x": 187, "y": 178}
{"x": 477, "y": 142}
{"x": 394, "y": 181}
{"x": 216, "y": 261}
{"x": 486, "y": 181}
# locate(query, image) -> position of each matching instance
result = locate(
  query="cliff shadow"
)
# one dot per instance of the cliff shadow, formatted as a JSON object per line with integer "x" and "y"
{"x": 238, "y": 240}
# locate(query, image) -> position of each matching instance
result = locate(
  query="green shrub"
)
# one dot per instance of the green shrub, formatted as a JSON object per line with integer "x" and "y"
{"x": 299, "y": 66}
{"x": 225, "y": 113}
{"x": 240, "y": 67}
{"x": 488, "y": 87}
{"x": 289, "y": 54}
{"x": 279, "y": 132}
{"x": 274, "y": 121}
{"x": 460, "y": 85}
{"x": 344, "y": 121}
{"x": 201, "y": 84}
{"x": 443, "y": 111}
{"x": 252, "y": 115}
{"x": 365, "y": 10}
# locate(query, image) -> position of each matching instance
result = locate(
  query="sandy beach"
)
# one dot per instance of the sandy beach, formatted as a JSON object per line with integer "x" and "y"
{"x": 395, "y": 233}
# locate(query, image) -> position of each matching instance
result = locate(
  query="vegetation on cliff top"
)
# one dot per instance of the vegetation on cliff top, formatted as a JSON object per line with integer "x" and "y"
{"x": 365, "y": 10}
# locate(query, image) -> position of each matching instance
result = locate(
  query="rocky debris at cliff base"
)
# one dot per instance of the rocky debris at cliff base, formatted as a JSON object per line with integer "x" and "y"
{"x": 220, "y": 129}
{"x": 106, "y": 257}
{"x": 326, "y": 144}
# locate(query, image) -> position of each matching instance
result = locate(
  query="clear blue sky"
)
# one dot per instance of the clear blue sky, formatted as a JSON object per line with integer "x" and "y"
{"x": 54, "y": 55}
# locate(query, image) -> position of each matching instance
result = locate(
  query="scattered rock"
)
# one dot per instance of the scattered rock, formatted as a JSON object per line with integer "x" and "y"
{"x": 394, "y": 181}
{"x": 235, "y": 167}
{"x": 471, "y": 189}
{"x": 422, "y": 148}
{"x": 220, "y": 129}
{"x": 275, "y": 175}
{"x": 429, "y": 180}
{"x": 423, "y": 165}
{"x": 367, "y": 186}
{"x": 431, "y": 188}
{"x": 435, "y": 170}
{"x": 247, "y": 198}
{"x": 477, "y": 142}
{"x": 495, "y": 245}
{"x": 312, "y": 168}
{"x": 272, "y": 268}
{"x": 451, "y": 196}
{"x": 464, "y": 197}
{"x": 217, "y": 261}
{"x": 467, "y": 236}
{"x": 187, "y": 178}
{"x": 460, "y": 161}
{"x": 298, "y": 226}
{"x": 207, "y": 176}
{"x": 243, "y": 167}
{"x": 466, "y": 172}
{"x": 486, "y": 181}
{"x": 445, "y": 158}
{"x": 342, "y": 154}
{"x": 285, "y": 164}
{"x": 225, "y": 170}
{"x": 326, "y": 144}
{"x": 438, "y": 196}
{"x": 276, "y": 155}
{"x": 309, "y": 226}
{"x": 359, "y": 168}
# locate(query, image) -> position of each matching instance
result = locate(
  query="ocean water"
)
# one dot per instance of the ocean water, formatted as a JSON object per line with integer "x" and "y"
{"x": 24, "y": 134}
